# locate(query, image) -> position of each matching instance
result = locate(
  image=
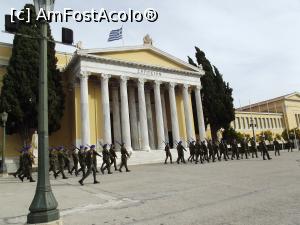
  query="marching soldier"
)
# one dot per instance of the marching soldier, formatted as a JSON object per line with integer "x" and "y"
{"x": 223, "y": 150}
{"x": 168, "y": 153}
{"x": 235, "y": 150}
{"x": 277, "y": 147}
{"x": 192, "y": 151}
{"x": 21, "y": 166}
{"x": 253, "y": 148}
{"x": 216, "y": 150}
{"x": 180, "y": 152}
{"x": 244, "y": 148}
{"x": 106, "y": 160}
{"x": 91, "y": 167}
{"x": 263, "y": 147}
{"x": 290, "y": 145}
{"x": 81, "y": 159}
{"x": 113, "y": 156}
{"x": 211, "y": 150}
{"x": 75, "y": 161}
{"x": 28, "y": 160}
{"x": 198, "y": 152}
{"x": 52, "y": 161}
{"x": 61, "y": 162}
{"x": 205, "y": 151}
{"x": 67, "y": 160}
{"x": 95, "y": 154}
{"x": 124, "y": 156}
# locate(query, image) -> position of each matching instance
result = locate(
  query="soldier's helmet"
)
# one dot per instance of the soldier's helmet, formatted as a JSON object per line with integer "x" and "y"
{"x": 105, "y": 146}
{"x": 93, "y": 146}
{"x": 86, "y": 148}
{"x": 81, "y": 147}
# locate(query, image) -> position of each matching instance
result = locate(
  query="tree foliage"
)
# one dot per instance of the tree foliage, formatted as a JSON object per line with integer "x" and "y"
{"x": 216, "y": 95}
{"x": 19, "y": 94}
{"x": 291, "y": 134}
{"x": 230, "y": 134}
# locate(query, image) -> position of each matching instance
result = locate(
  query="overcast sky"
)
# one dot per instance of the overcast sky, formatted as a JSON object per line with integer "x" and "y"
{"x": 255, "y": 44}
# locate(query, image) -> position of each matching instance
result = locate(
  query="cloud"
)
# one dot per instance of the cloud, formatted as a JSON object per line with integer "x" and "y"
{"x": 253, "y": 43}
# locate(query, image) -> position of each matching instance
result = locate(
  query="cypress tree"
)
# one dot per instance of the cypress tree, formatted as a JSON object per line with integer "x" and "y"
{"x": 216, "y": 95}
{"x": 19, "y": 94}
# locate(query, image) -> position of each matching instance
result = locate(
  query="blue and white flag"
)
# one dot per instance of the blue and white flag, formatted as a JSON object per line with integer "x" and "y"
{"x": 115, "y": 35}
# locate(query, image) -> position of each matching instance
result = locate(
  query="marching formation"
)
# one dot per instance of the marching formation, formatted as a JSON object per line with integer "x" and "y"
{"x": 83, "y": 161}
{"x": 206, "y": 151}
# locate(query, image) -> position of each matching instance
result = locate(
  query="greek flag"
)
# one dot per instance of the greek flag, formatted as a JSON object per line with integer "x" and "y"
{"x": 115, "y": 35}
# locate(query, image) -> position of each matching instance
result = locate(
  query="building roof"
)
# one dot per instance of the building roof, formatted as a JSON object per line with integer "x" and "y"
{"x": 283, "y": 97}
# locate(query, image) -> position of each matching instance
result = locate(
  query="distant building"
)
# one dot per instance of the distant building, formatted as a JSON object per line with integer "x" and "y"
{"x": 274, "y": 115}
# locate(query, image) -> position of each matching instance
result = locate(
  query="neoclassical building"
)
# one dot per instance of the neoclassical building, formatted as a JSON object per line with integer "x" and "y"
{"x": 138, "y": 95}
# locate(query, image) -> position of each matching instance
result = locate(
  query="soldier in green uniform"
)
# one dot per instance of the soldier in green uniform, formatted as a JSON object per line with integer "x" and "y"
{"x": 235, "y": 150}
{"x": 198, "y": 152}
{"x": 277, "y": 147}
{"x": 106, "y": 160}
{"x": 113, "y": 156}
{"x": 205, "y": 151}
{"x": 89, "y": 159}
{"x": 20, "y": 169}
{"x": 263, "y": 147}
{"x": 216, "y": 150}
{"x": 253, "y": 148}
{"x": 223, "y": 150}
{"x": 124, "y": 156}
{"x": 168, "y": 153}
{"x": 211, "y": 150}
{"x": 192, "y": 151}
{"x": 180, "y": 152}
{"x": 95, "y": 154}
{"x": 290, "y": 145}
{"x": 75, "y": 161}
{"x": 52, "y": 161}
{"x": 81, "y": 158}
{"x": 28, "y": 160}
{"x": 67, "y": 160}
{"x": 61, "y": 162}
{"x": 244, "y": 148}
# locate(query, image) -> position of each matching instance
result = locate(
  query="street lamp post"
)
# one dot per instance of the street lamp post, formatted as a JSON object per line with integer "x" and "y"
{"x": 253, "y": 125}
{"x": 4, "y": 119}
{"x": 43, "y": 208}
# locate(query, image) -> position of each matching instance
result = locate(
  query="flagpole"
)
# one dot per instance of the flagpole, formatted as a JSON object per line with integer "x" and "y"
{"x": 122, "y": 35}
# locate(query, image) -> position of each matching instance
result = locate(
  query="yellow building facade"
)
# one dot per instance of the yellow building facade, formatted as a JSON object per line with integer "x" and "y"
{"x": 137, "y": 95}
{"x": 273, "y": 115}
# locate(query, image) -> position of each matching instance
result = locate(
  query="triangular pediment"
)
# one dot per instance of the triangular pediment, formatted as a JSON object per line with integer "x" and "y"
{"x": 147, "y": 55}
{"x": 294, "y": 96}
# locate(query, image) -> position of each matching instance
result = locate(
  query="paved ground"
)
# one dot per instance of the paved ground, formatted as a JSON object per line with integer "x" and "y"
{"x": 253, "y": 192}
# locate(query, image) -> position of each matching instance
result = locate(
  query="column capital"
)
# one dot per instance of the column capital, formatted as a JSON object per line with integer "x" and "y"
{"x": 198, "y": 87}
{"x": 84, "y": 74}
{"x": 124, "y": 79}
{"x": 105, "y": 76}
{"x": 172, "y": 85}
{"x": 141, "y": 81}
{"x": 186, "y": 86}
{"x": 157, "y": 82}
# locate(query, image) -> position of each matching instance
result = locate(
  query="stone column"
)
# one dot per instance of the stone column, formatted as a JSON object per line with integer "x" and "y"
{"x": 200, "y": 115}
{"x": 143, "y": 116}
{"x": 187, "y": 113}
{"x": 159, "y": 116}
{"x": 150, "y": 119}
{"x": 105, "y": 109}
{"x": 125, "y": 124}
{"x": 165, "y": 118}
{"x": 84, "y": 103}
{"x": 133, "y": 119}
{"x": 116, "y": 116}
{"x": 174, "y": 116}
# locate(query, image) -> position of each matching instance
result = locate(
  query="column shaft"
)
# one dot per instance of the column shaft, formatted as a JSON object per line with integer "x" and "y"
{"x": 174, "y": 116}
{"x": 126, "y": 137}
{"x": 165, "y": 118}
{"x": 159, "y": 116}
{"x": 116, "y": 116}
{"x": 133, "y": 119}
{"x": 150, "y": 119}
{"x": 143, "y": 116}
{"x": 84, "y": 103}
{"x": 187, "y": 113}
{"x": 200, "y": 115}
{"x": 106, "y": 109}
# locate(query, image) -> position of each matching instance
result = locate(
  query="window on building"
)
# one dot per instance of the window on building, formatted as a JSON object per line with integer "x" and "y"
{"x": 297, "y": 121}
{"x": 256, "y": 123}
{"x": 283, "y": 125}
{"x": 243, "y": 123}
{"x": 275, "y": 122}
{"x": 239, "y": 122}
{"x": 268, "y": 123}
{"x": 234, "y": 124}
{"x": 247, "y": 121}
{"x": 272, "y": 124}
{"x": 264, "y": 123}
{"x": 260, "y": 123}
